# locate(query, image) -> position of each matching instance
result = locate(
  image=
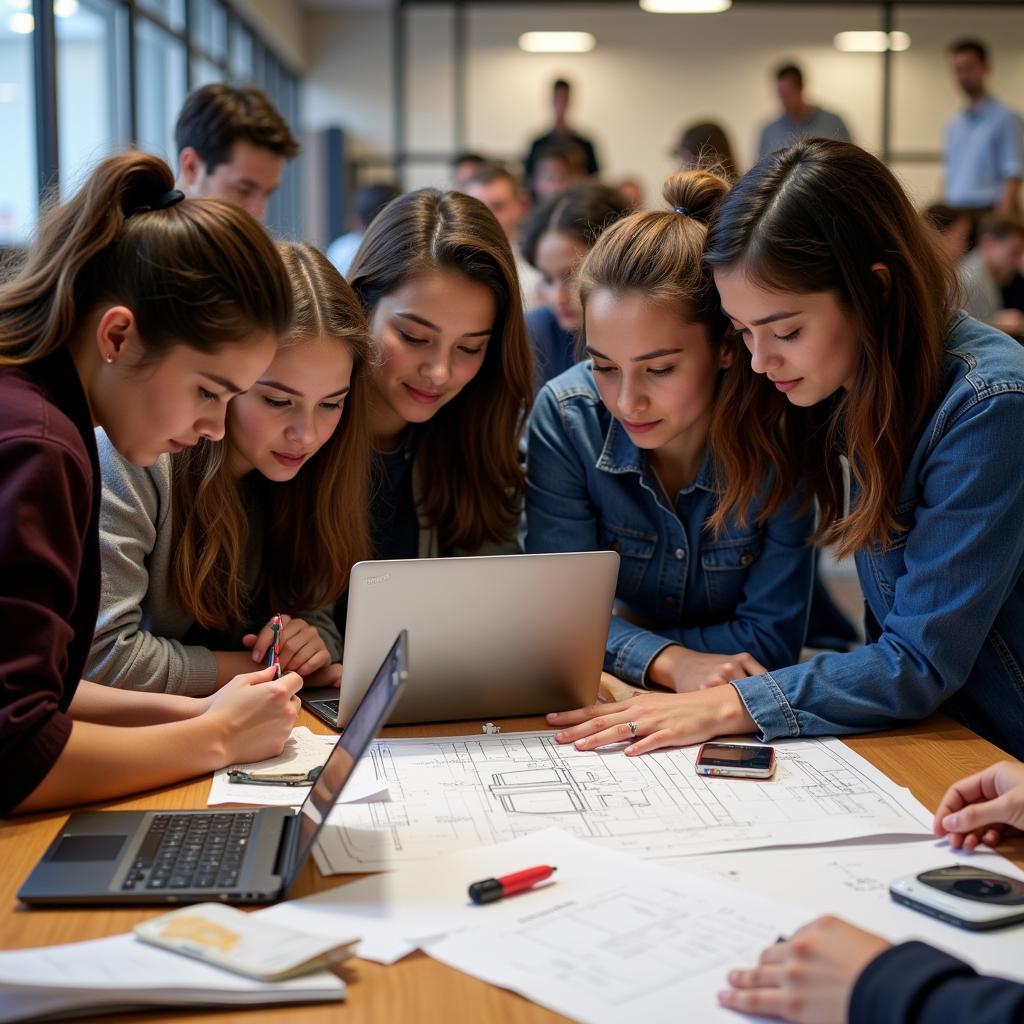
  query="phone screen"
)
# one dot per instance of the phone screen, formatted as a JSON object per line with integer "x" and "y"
{"x": 735, "y": 755}
{"x": 976, "y": 884}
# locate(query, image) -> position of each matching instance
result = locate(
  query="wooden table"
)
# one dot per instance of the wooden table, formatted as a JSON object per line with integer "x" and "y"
{"x": 927, "y": 758}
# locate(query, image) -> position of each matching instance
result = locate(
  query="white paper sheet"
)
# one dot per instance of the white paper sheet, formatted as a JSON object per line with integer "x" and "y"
{"x": 448, "y": 793}
{"x": 304, "y": 750}
{"x": 628, "y": 941}
{"x": 123, "y": 971}
{"x": 399, "y": 911}
{"x": 851, "y": 880}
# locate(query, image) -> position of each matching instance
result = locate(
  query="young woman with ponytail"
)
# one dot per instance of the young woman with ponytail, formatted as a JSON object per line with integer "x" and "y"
{"x": 143, "y": 314}
{"x": 619, "y": 457}
{"x": 200, "y": 549}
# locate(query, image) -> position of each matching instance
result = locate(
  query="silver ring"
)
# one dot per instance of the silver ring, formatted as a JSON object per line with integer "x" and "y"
{"x": 632, "y": 729}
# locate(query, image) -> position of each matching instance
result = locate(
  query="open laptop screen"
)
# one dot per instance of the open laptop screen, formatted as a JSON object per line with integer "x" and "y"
{"x": 369, "y": 716}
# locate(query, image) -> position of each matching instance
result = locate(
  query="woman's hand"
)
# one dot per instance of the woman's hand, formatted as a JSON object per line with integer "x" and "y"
{"x": 302, "y": 648}
{"x": 655, "y": 720}
{"x": 983, "y": 808}
{"x": 254, "y": 714}
{"x": 809, "y": 978}
{"x": 683, "y": 670}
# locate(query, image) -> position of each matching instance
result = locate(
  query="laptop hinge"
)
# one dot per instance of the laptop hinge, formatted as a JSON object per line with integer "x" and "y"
{"x": 284, "y": 863}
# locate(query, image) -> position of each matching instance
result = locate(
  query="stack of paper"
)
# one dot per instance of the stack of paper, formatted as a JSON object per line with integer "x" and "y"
{"x": 122, "y": 972}
{"x": 612, "y": 934}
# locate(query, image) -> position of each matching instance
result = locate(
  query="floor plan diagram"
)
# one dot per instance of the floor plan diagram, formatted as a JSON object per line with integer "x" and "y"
{"x": 451, "y": 792}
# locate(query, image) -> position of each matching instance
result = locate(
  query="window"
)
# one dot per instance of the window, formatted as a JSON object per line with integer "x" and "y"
{"x": 210, "y": 28}
{"x": 170, "y": 12}
{"x": 160, "y": 63}
{"x": 19, "y": 185}
{"x": 92, "y": 88}
{"x": 243, "y": 47}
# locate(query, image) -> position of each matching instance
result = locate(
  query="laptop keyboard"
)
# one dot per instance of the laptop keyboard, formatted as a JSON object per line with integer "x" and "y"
{"x": 330, "y": 706}
{"x": 191, "y": 851}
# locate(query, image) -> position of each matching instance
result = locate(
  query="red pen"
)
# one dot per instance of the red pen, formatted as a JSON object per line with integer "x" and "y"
{"x": 491, "y": 889}
{"x": 274, "y": 651}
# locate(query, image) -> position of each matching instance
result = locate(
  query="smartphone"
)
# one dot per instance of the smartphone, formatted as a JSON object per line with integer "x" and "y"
{"x": 736, "y": 760}
{"x": 963, "y": 895}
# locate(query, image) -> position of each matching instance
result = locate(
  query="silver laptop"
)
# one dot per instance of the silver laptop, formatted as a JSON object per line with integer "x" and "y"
{"x": 238, "y": 856}
{"x": 494, "y": 636}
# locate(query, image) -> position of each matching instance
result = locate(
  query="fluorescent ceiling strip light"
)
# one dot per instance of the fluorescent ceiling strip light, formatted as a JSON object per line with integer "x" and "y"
{"x": 557, "y": 42}
{"x": 871, "y": 42}
{"x": 685, "y": 6}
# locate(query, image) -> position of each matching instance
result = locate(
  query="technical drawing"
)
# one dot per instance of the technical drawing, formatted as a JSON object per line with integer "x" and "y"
{"x": 451, "y": 792}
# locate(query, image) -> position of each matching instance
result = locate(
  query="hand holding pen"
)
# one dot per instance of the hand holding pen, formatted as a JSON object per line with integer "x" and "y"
{"x": 299, "y": 648}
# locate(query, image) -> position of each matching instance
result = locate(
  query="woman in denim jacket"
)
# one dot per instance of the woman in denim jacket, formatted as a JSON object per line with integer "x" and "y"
{"x": 905, "y": 419}
{"x": 618, "y": 458}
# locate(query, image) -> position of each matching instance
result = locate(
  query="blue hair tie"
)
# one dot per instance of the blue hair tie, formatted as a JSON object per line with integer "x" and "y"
{"x": 682, "y": 209}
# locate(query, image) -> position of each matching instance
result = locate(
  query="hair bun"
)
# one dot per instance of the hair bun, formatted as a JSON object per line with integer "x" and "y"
{"x": 698, "y": 192}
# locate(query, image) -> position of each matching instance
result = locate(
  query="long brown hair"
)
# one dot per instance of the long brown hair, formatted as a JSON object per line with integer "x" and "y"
{"x": 473, "y": 490}
{"x": 317, "y": 523}
{"x": 659, "y": 253}
{"x": 201, "y": 273}
{"x": 815, "y": 218}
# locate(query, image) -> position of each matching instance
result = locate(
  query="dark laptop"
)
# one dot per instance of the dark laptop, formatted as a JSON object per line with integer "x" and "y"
{"x": 238, "y": 856}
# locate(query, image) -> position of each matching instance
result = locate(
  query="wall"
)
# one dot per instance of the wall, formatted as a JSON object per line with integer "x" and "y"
{"x": 649, "y": 76}
{"x": 282, "y": 24}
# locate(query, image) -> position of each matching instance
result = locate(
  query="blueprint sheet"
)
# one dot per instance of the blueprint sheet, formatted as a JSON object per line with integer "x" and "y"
{"x": 448, "y": 793}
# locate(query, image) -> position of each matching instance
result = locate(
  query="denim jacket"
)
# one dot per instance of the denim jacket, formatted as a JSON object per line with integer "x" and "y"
{"x": 591, "y": 488}
{"x": 945, "y": 600}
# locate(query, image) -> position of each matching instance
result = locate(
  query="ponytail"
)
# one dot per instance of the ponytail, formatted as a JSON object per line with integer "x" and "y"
{"x": 200, "y": 272}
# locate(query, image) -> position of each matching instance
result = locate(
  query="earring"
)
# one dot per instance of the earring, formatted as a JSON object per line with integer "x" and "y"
{"x": 110, "y": 357}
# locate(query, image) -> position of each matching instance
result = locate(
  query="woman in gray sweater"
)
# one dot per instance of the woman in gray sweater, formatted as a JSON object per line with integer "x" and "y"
{"x": 202, "y": 548}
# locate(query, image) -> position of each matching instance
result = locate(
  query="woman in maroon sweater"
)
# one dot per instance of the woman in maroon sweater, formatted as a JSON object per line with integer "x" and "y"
{"x": 144, "y": 314}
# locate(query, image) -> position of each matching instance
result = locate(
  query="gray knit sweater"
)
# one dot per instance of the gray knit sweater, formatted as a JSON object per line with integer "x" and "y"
{"x": 138, "y": 645}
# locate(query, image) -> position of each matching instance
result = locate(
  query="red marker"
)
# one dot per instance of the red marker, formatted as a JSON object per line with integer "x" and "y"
{"x": 491, "y": 889}
{"x": 274, "y": 651}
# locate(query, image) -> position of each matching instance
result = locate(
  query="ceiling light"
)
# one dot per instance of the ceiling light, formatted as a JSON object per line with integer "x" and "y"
{"x": 556, "y": 42}
{"x": 65, "y": 8}
{"x": 685, "y": 6}
{"x": 871, "y": 42}
{"x": 23, "y": 24}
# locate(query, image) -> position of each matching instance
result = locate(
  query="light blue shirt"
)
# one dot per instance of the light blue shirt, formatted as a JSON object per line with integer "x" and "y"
{"x": 819, "y": 124}
{"x": 984, "y": 147}
{"x": 342, "y": 251}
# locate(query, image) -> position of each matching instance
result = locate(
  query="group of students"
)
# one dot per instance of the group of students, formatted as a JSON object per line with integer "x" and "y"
{"x": 216, "y": 427}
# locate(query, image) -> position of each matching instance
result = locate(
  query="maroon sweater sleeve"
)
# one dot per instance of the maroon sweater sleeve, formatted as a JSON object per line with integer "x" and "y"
{"x": 46, "y": 487}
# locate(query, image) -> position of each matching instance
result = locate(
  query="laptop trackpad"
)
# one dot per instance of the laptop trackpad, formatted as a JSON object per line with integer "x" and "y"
{"x": 79, "y": 848}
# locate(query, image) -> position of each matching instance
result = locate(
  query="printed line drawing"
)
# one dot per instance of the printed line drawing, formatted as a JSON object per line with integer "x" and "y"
{"x": 450, "y": 792}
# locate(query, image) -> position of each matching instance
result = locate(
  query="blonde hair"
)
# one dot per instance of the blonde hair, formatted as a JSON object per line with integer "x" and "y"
{"x": 659, "y": 253}
{"x": 317, "y": 523}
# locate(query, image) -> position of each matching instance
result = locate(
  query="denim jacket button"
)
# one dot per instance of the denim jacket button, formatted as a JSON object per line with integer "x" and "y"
{"x": 680, "y": 554}
{"x": 746, "y": 558}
